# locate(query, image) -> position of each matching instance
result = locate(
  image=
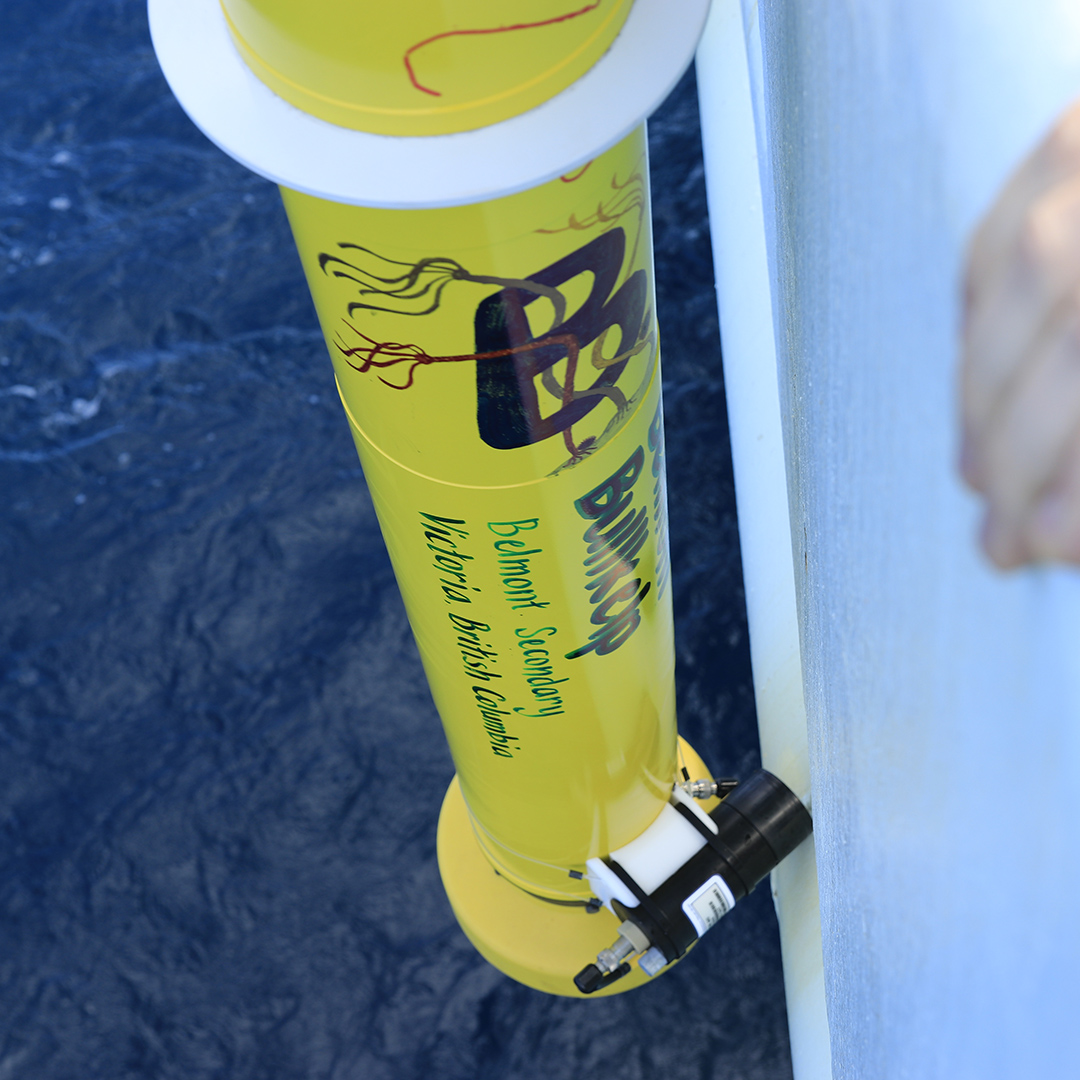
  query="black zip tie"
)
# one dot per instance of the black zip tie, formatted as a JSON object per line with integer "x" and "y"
{"x": 732, "y": 860}
{"x": 663, "y": 925}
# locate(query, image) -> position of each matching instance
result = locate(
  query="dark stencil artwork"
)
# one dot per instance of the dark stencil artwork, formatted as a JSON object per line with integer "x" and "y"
{"x": 507, "y": 404}
{"x": 509, "y": 358}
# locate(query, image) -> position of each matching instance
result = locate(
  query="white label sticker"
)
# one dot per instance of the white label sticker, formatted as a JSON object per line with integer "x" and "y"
{"x": 706, "y": 906}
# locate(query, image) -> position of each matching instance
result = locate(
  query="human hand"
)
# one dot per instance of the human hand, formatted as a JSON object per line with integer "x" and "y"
{"x": 1020, "y": 377}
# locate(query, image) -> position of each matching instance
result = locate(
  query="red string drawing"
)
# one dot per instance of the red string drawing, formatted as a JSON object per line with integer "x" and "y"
{"x": 394, "y": 353}
{"x": 569, "y": 178}
{"x": 489, "y": 30}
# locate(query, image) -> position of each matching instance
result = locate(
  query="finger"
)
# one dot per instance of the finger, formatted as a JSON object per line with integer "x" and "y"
{"x": 1053, "y": 531}
{"x": 1005, "y": 548}
{"x": 1055, "y": 159}
{"x": 1043, "y": 269}
{"x": 1025, "y": 437}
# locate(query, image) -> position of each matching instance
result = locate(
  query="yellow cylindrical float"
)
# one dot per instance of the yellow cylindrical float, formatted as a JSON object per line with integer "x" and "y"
{"x": 498, "y": 362}
{"x": 499, "y": 366}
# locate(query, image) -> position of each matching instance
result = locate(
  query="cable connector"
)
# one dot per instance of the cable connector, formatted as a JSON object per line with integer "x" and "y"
{"x": 611, "y": 963}
{"x": 707, "y": 789}
{"x": 591, "y": 978}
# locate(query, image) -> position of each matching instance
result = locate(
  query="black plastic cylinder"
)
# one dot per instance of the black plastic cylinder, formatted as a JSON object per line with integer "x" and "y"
{"x": 758, "y": 824}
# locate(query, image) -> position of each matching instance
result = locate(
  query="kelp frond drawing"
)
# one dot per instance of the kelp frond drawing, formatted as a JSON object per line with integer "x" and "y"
{"x": 422, "y": 281}
{"x": 629, "y": 198}
{"x": 510, "y": 359}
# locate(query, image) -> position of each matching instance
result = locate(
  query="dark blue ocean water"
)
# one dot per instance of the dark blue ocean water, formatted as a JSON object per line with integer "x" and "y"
{"x": 220, "y": 769}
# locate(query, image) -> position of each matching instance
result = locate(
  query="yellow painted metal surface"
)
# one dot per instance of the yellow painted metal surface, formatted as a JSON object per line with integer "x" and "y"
{"x": 427, "y": 67}
{"x": 499, "y": 366}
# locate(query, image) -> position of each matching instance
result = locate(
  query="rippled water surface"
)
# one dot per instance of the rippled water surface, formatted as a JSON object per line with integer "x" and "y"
{"x": 220, "y": 769}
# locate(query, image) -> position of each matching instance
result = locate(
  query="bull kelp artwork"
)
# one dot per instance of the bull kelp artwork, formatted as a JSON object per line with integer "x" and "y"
{"x": 517, "y": 381}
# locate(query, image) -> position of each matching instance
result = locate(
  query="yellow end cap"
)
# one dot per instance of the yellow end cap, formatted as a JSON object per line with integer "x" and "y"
{"x": 429, "y": 67}
{"x": 540, "y": 944}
